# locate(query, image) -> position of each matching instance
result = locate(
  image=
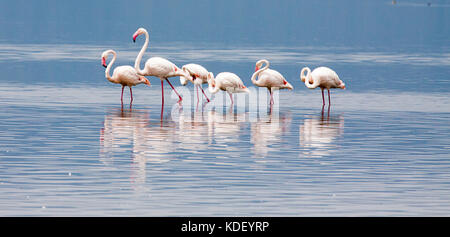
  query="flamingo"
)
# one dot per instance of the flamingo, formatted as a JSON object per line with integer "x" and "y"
{"x": 156, "y": 66}
{"x": 269, "y": 78}
{"x": 228, "y": 82}
{"x": 124, "y": 75}
{"x": 198, "y": 75}
{"x": 322, "y": 77}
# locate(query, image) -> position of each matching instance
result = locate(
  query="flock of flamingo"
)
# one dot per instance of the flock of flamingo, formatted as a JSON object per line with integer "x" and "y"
{"x": 322, "y": 77}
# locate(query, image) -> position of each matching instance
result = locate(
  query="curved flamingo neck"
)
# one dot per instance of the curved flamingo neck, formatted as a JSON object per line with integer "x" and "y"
{"x": 254, "y": 81}
{"x": 137, "y": 63}
{"x": 213, "y": 89}
{"x": 108, "y": 68}
{"x": 308, "y": 77}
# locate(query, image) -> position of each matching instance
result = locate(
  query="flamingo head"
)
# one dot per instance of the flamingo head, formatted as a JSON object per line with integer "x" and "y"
{"x": 184, "y": 79}
{"x": 287, "y": 85}
{"x": 104, "y": 62}
{"x": 245, "y": 89}
{"x": 310, "y": 81}
{"x": 342, "y": 86}
{"x": 303, "y": 76}
{"x": 211, "y": 80}
{"x": 104, "y": 57}
{"x": 260, "y": 63}
{"x": 139, "y": 31}
{"x": 144, "y": 80}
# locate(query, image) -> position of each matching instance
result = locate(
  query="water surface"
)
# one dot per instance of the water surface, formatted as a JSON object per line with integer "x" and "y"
{"x": 69, "y": 148}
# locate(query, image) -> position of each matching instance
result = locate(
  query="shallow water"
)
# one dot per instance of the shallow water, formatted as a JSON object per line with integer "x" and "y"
{"x": 68, "y": 147}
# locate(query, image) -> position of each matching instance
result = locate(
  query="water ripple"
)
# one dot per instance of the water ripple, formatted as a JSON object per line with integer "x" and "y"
{"x": 193, "y": 53}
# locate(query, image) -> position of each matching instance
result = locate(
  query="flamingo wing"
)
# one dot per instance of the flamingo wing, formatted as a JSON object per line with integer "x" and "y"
{"x": 126, "y": 75}
{"x": 272, "y": 78}
{"x": 160, "y": 67}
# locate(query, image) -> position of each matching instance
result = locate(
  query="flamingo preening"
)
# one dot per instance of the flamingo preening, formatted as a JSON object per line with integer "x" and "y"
{"x": 269, "y": 78}
{"x": 124, "y": 75}
{"x": 322, "y": 77}
{"x": 228, "y": 82}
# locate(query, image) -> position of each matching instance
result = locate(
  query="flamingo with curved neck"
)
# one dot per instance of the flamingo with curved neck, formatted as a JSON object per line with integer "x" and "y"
{"x": 271, "y": 79}
{"x": 197, "y": 74}
{"x": 228, "y": 82}
{"x": 156, "y": 66}
{"x": 124, "y": 75}
{"x": 322, "y": 77}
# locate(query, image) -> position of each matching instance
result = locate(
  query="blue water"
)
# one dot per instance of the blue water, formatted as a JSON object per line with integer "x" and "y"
{"x": 68, "y": 147}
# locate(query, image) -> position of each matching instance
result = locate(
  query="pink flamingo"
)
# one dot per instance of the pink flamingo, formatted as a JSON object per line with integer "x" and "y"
{"x": 269, "y": 78}
{"x": 198, "y": 75}
{"x": 322, "y": 77}
{"x": 156, "y": 66}
{"x": 226, "y": 81}
{"x": 124, "y": 75}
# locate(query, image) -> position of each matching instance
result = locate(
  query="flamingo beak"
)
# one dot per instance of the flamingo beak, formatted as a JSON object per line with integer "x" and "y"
{"x": 104, "y": 62}
{"x": 256, "y": 68}
{"x": 134, "y": 37}
{"x": 146, "y": 81}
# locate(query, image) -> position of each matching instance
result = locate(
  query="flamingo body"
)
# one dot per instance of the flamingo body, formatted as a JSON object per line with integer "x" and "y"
{"x": 160, "y": 67}
{"x": 326, "y": 78}
{"x": 273, "y": 79}
{"x": 230, "y": 82}
{"x": 124, "y": 75}
{"x": 322, "y": 77}
{"x": 197, "y": 74}
{"x": 156, "y": 66}
{"x": 269, "y": 78}
{"x": 226, "y": 81}
{"x": 127, "y": 76}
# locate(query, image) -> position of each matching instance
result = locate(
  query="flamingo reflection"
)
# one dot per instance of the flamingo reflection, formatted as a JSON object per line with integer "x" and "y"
{"x": 132, "y": 132}
{"x": 267, "y": 132}
{"x": 318, "y": 134}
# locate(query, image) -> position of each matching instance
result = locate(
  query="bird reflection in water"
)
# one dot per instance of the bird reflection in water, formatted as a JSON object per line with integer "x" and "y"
{"x": 318, "y": 135}
{"x": 267, "y": 133}
{"x": 128, "y": 133}
{"x": 200, "y": 130}
{"x": 131, "y": 133}
{"x": 118, "y": 131}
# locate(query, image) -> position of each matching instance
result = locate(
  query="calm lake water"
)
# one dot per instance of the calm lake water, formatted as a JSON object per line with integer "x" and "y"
{"x": 68, "y": 147}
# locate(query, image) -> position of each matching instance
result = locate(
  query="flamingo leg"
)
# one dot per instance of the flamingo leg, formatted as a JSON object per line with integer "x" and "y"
{"x": 271, "y": 97}
{"x": 162, "y": 96}
{"x": 271, "y": 101}
{"x": 121, "y": 97}
{"x": 328, "y": 118}
{"x": 131, "y": 93}
{"x": 204, "y": 93}
{"x": 323, "y": 109}
{"x": 329, "y": 100}
{"x": 323, "y": 98}
{"x": 176, "y": 92}
{"x": 231, "y": 97}
{"x": 198, "y": 99}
